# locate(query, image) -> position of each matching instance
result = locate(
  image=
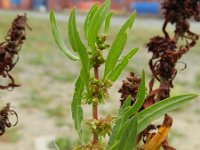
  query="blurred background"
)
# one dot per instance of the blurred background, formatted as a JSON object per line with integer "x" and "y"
{"x": 142, "y": 6}
{"x": 47, "y": 77}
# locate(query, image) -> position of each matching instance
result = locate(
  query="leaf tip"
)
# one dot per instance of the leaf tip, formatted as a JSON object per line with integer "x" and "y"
{"x": 52, "y": 16}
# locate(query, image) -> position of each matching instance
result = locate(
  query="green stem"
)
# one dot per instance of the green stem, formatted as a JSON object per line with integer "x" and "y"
{"x": 95, "y": 106}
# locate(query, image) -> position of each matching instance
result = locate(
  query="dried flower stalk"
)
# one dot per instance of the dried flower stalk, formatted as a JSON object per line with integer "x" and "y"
{"x": 9, "y": 56}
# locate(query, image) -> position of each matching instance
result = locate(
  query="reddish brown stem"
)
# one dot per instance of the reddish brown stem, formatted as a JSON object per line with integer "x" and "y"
{"x": 95, "y": 106}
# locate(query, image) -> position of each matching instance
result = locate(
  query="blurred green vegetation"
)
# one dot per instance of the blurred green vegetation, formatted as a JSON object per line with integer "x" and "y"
{"x": 197, "y": 80}
{"x": 62, "y": 143}
{"x": 175, "y": 134}
{"x": 11, "y": 136}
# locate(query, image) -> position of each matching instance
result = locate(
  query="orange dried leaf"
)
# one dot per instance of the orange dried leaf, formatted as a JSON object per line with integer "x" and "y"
{"x": 157, "y": 140}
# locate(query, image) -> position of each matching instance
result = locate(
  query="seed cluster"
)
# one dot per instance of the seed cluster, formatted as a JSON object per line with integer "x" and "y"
{"x": 10, "y": 48}
{"x": 179, "y": 12}
{"x": 165, "y": 50}
{"x": 129, "y": 87}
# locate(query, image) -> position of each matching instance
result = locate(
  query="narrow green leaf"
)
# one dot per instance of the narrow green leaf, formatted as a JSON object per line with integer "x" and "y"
{"x": 114, "y": 143}
{"x": 88, "y": 18}
{"x": 113, "y": 146}
{"x": 159, "y": 109}
{"x": 129, "y": 135}
{"x": 140, "y": 98}
{"x": 58, "y": 39}
{"x": 118, "y": 46}
{"x": 77, "y": 111}
{"x": 119, "y": 122}
{"x": 107, "y": 22}
{"x": 96, "y": 23}
{"x": 129, "y": 22}
{"x": 126, "y": 104}
{"x": 126, "y": 135}
{"x": 120, "y": 67}
{"x": 132, "y": 136}
{"x": 78, "y": 46}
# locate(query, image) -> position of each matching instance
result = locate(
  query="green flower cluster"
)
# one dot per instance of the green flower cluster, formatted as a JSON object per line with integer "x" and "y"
{"x": 101, "y": 127}
{"x": 97, "y": 58}
{"x": 98, "y": 91}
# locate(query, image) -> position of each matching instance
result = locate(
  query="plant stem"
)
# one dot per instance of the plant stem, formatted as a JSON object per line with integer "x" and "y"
{"x": 95, "y": 106}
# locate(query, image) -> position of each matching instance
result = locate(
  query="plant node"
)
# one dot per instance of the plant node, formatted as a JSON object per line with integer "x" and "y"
{"x": 101, "y": 42}
{"x": 96, "y": 58}
{"x": 101, "y": 127}
{"x": 98, "y": 91}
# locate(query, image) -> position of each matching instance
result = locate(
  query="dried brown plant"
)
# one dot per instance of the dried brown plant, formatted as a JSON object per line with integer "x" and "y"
{"x": 9, "y": 56}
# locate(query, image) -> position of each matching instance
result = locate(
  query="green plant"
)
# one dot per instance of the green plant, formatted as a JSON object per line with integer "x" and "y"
{"x": 92, "y": 88}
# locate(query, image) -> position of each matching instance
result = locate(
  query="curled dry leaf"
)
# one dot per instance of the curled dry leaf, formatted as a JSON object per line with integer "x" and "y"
{"x": 4, "y": 118}
{"x": 10, "y": 48}
{"x": 9, "y": 56}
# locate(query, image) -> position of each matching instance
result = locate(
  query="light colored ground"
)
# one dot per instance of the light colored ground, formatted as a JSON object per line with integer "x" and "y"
{"x": 43, "y": 100}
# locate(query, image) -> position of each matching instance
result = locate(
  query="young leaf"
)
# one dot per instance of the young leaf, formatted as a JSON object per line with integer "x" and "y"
{"x": 88, "y": 18}
{"x": 159, "y": 109}
{"x": 113, "y": 76}
{"x": 78, "y": 46}
{"x": 77, "y": 111}
{"x": 107, "y": 22}
{"x": 118, "y": 46}
{"x": 97, "y": 22}
{"x": 129, "y": 135}
{"x": 58, "y": 39}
